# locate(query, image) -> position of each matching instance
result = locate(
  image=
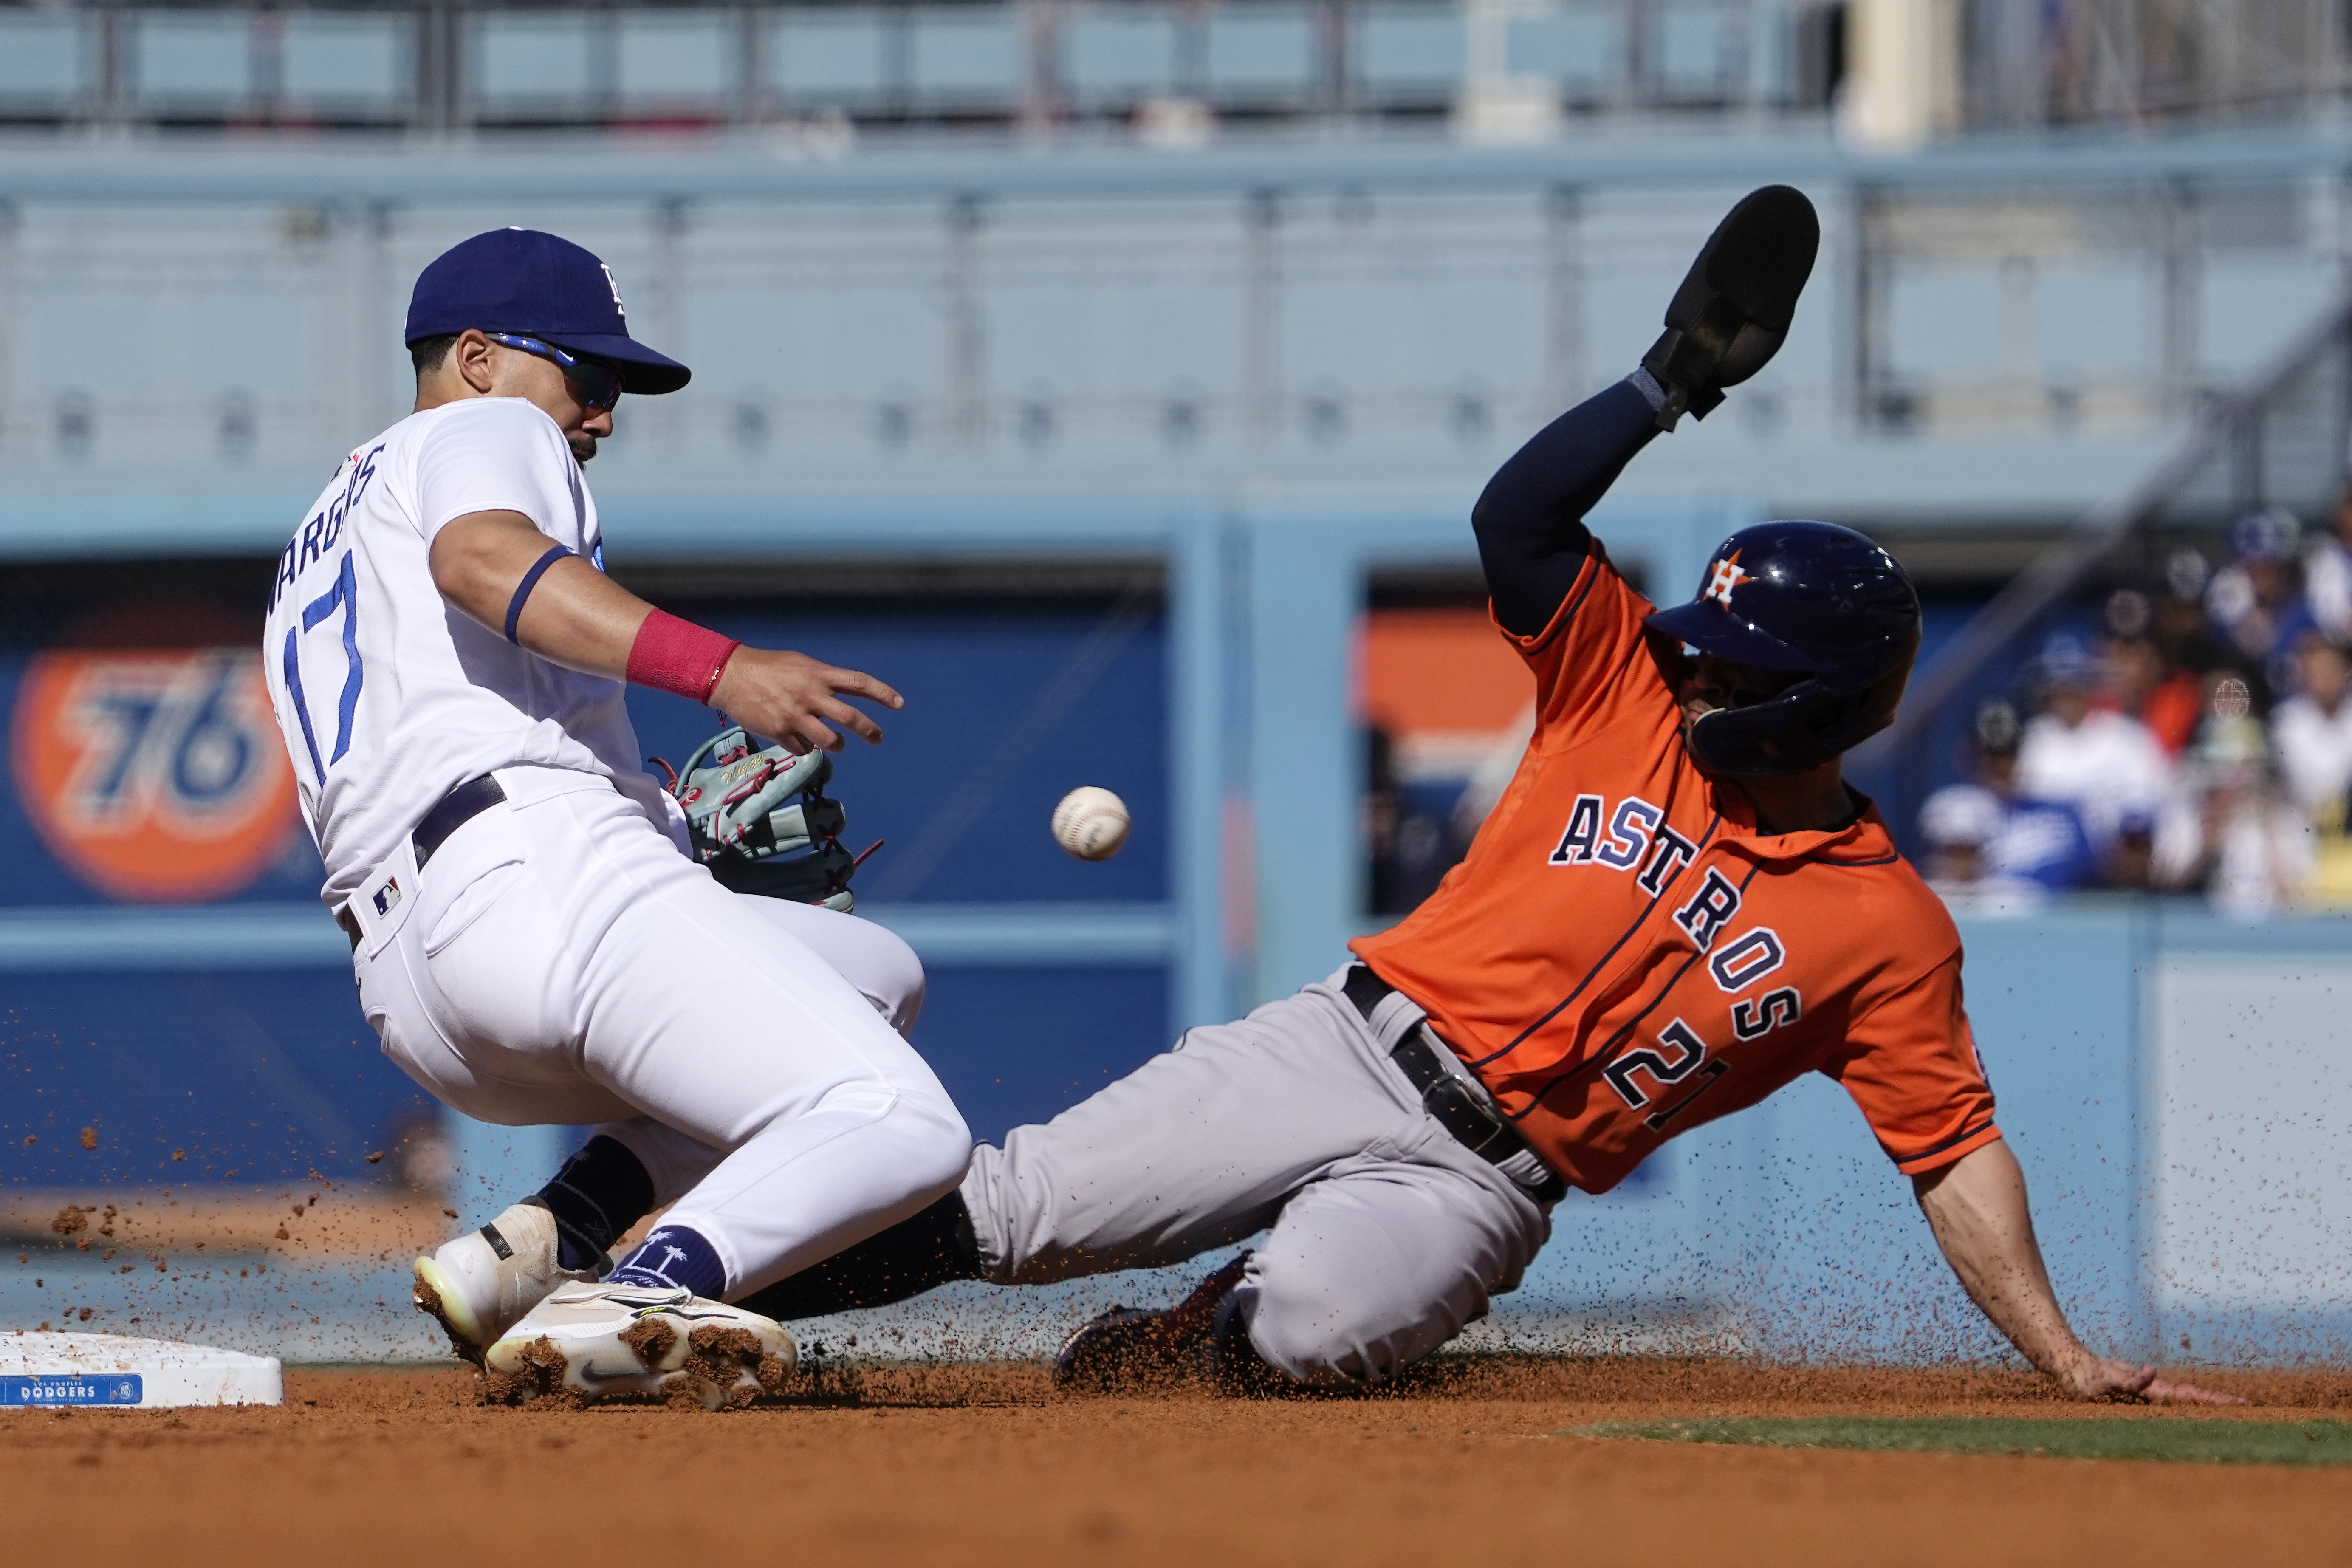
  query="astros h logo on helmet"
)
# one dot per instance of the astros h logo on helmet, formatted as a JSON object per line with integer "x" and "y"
{"x": 1727, "y": 577}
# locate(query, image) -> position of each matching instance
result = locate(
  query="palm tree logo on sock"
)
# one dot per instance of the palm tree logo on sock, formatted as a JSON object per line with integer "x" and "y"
{"x": 669, "y": 1255}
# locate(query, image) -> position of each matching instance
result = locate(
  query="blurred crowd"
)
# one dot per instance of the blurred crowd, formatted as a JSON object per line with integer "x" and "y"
{"x": 2202, "y": 743}
{"x": 2197, "y": 741}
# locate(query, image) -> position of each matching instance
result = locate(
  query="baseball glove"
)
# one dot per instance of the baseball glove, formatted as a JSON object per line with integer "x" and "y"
{"x": 1728, "y": 318}
{"x": 760, "y": 820}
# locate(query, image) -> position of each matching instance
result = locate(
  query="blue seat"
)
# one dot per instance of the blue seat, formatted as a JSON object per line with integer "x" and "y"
{"x": 1114, "y": 57}
{"x": 1262, "y": 56}
{"x": 1690, "y": 50}
{"x": 1581, "y": 47}
{"x": 830, "y": 59}
{"x": 965, "y": 58}
{"x": 349, "y": 62}
{"x": 199, "y": 61}
{"x": 524, "y": 63}
{"x": 676, "y": 60}
{"x": 49, "y": 59}
{"x": 1409, "y": 54}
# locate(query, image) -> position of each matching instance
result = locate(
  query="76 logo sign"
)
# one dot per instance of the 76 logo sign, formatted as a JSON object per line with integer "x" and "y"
{"x": 154, "y": 775}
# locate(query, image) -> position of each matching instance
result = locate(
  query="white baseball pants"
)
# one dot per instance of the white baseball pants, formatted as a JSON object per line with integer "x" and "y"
{"x": 559, "y": 961}
{"x": 1388, "y": 1235}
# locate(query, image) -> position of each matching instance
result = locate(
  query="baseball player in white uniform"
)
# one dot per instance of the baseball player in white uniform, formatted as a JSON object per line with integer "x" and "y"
{"x": 530, "y": 938}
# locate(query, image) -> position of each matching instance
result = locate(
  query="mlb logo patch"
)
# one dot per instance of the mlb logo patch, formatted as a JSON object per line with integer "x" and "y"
{"x": 387, "y": 898}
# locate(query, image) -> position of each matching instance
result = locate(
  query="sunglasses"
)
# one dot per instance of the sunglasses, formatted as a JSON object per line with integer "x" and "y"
{"x": 597, "y": 381}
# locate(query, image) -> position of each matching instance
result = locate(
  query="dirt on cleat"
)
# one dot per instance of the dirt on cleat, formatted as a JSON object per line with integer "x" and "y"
{"x": 652, "y": 1340}
{"x": 717, "y": 1351}
{"x": 664, "y": 1346}
{"x": 726, "y": 1362}
{"x": 428, "y": 1301}
{"x": 538, "y": 1374}
{"x": 686, "y": 1392}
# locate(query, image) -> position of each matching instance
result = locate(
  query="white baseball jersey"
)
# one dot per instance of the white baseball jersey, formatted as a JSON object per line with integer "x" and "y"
{"x": 389, "y": 697}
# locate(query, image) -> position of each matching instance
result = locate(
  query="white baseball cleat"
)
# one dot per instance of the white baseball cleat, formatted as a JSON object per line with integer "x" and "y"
{"x": 479, "y": 1286}
{"x": 592, "y": 1342}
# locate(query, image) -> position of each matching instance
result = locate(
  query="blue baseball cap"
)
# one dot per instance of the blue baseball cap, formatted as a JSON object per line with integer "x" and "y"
{"x": 537, "y": 285}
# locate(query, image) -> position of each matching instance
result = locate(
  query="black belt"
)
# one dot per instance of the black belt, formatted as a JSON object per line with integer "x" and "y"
{"x": 459, "y": 808}
{"x": 1443, "y": 1095}
{"x": 456, "y": 808}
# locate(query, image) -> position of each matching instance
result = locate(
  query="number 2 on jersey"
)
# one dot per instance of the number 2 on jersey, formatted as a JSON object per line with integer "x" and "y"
{"x": 344, "y": 595}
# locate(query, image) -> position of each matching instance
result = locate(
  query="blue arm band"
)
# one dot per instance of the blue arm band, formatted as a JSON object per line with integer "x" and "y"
{"x": 530, "y": 581}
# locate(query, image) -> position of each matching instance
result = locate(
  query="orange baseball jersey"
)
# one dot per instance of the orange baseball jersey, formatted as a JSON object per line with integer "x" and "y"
{"x": 1624, "y": 955}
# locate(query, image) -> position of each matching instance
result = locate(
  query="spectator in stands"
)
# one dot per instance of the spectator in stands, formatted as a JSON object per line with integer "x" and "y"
{"x": 2131, "y": 864}
{"x": 1991, "y": 846}
{"x": 2328, "y": 575}
{"x": 2103, "y": 764}
{"x": 2177, "y": 621}
{"x": 1959, "y": 821}
{"x": 2257, "y": 602}
{"x": 2146, "y": 684}
{"x": 2231, "y": 834}
{"x": 2312, "y": 731}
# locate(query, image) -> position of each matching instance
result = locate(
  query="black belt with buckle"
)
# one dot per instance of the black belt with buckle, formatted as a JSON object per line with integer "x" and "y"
{"x": 459, "y": 808}
{"x": 456, "y": 808}
{"x": 1444, "y": 1096}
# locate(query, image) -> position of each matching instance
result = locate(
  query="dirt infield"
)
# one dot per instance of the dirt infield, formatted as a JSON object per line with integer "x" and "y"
{"x": 985, "y": 1465}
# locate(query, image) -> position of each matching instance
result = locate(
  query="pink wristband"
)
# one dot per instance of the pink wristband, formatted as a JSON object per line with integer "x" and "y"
{"x": 678, "y": 656}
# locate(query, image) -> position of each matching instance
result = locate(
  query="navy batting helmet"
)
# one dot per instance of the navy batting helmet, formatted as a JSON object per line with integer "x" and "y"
{"x": 1810, "y": 597}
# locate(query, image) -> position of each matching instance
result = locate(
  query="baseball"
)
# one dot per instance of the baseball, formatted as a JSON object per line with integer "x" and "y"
{"x": 1090, "y": 823}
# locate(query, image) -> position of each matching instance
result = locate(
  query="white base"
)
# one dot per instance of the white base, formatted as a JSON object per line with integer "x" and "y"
{"x": 49, "y": 1371}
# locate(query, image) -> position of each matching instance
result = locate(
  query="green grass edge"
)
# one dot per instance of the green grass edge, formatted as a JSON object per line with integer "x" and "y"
{"x": 2174, "y": 1440}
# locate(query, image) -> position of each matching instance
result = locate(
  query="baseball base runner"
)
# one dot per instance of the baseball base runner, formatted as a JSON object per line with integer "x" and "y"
{"x": 1677, "y": 908}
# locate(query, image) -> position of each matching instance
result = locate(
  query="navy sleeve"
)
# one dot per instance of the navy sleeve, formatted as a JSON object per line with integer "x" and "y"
{"x": 1532, "y": 540}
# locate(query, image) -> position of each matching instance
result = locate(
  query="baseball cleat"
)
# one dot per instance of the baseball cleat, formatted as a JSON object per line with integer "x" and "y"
{"x": 1131, "y": 1348}
{"x": 479, "y": 1285}
{"x": 588, "y": 1342}
{"x": 1106, "y": 1350}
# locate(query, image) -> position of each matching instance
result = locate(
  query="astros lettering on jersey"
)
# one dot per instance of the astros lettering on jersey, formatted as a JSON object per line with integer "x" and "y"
{"x": 1624, "y": 955}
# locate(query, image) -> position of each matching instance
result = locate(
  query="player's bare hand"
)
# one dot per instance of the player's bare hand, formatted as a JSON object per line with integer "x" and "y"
{"x": 2095, "y": 1377}
{"x": 790, "y": 697}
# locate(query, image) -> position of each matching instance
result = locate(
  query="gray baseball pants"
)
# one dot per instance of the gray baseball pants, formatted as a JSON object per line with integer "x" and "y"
{"x": 1387, "y": 1233}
